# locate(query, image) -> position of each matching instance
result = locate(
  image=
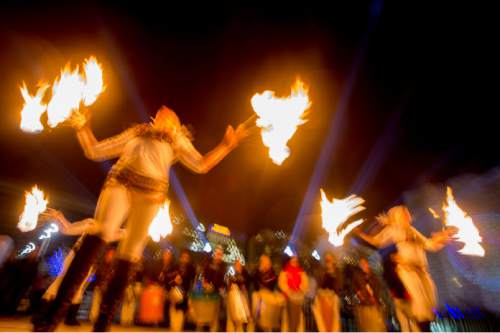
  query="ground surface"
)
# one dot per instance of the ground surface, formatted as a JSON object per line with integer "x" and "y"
{"x": 22, "y": 324}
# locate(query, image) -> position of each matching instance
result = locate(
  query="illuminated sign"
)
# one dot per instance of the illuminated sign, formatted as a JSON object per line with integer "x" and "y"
{"x": 220, "y": 229}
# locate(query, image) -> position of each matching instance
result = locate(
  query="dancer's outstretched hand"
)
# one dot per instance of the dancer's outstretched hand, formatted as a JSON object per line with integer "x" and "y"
{"x": 233, "y": 137}
{"x": 79, "y": 118}
{"x": 55, "y": 214}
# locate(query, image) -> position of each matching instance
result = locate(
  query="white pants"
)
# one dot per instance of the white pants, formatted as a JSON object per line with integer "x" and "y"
{"x": 422, "y": 290}
{"x": 118, "y": 204}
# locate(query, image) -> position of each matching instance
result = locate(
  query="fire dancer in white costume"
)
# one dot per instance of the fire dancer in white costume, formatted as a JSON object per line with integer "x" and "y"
{"x": 412, "y": 266}
{"x": 135, "y": 189}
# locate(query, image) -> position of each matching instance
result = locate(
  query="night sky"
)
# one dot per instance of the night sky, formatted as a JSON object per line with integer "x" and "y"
{"x": 415, "y": 78}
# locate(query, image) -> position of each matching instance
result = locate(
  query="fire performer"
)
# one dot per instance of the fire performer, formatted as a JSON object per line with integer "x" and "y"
{"x": 412, "y": 266}
{"x": 135, "y": 189}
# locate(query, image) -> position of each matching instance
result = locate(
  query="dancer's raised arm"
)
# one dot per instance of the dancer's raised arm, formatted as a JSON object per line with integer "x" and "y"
{"x": 66, "y": 227}
{"x": 99, "y": 150}
{"x": 190, "y": 157}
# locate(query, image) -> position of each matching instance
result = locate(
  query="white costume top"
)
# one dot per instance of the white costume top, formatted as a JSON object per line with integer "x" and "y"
{"x": 410, "y": 242}
{"x": 146, "y": 155}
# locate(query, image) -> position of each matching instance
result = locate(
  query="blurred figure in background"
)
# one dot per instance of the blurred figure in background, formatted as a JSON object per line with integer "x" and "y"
{"x": 183, "y": 278}
{"x": 267, "y": 303}
{"x": 326, "y": 307}
{"x": 412, "y": 266}
{"x": 213, "y": 283}
{"x": 165, "y": 277}
{"x": 6, "y": 249}
{"x": 368, "y": 312}
{"x": 293, "y": 283}
{"x": 238, "y": 307}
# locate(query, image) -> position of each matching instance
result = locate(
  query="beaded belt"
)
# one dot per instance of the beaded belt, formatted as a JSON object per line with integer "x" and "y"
{"x": 133, "y": 180}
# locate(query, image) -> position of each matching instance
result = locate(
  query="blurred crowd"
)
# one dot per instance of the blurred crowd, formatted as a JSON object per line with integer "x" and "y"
{"x": 189, "y": 292}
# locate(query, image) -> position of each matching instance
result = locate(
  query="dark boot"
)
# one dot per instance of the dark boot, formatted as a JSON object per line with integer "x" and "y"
{"x": 85, "y": 256}
{"x": 40, "y": 313}
{"x": 71, "y": 316}
{"x": 113, "y": 296}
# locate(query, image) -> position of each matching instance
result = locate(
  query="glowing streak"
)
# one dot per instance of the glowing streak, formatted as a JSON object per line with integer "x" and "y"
{"x": 207, "y": 248}
{"x": 30, "y": 247}
{"x": 336, "y": 212}
{"x": 279, "y": 118}
{"x": 35, "y": 203}
{"x": 288, "y": 251}
{"x": 434, "y": 214}
{"x": 53, "y": 228}
{"x": 315, "y": 255}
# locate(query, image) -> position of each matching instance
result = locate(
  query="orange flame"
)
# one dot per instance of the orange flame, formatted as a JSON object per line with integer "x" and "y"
{"x": 433, "y": 213}
{"x": 279, "y": 118}
{"x": 66, "y": 96}
{"x": 94, "y": 85}
{"x": 33, "y": 109}
{"x": 69, "y": 90}
{"x": 35, "y": 204}
{"x": 467, "y": 233}
{"x": 161, "y": 225}
{"x": 336, "y": 212}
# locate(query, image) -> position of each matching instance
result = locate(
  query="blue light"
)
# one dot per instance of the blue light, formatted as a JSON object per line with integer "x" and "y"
{"x": 55, "y": 263}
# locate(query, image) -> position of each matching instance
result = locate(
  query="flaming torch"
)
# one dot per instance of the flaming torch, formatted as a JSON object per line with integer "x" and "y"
{"x": 35, "y": 204}
{"x": 69, "y": 91}
{"x": 336, "y": 212}
{"x": 161, "y": 225}
{"x": 33, "y": 109}
{"x": 279, "y": 117}
{"x": 467, "y": 233}
{"x": 66, "y": 96}
{"x": 94, "y": 85}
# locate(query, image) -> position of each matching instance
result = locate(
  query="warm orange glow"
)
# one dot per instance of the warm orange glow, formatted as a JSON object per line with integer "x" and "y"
{"x": 467, "y": 233}
{"x": 161, "y": 225}
{"x": 33, "y": 109}
{"x": 336, "y": 212}
{"x": 66, "y": 96}
{"x": 34, "y": 205}
{"x": 279, "y": 118}
{"x": 94, "y": 85}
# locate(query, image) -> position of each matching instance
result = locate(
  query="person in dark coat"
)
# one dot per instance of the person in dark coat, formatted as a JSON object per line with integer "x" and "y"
{"x": 368, "y": 311}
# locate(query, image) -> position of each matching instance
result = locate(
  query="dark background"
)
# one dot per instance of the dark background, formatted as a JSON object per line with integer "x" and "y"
{"x": 422, "y": 85}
